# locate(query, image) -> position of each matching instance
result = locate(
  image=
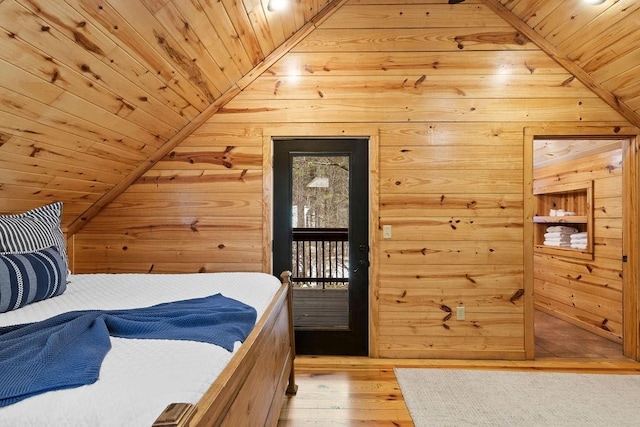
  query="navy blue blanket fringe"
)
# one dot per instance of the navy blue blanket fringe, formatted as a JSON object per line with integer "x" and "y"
{"x": 67, "y": 350}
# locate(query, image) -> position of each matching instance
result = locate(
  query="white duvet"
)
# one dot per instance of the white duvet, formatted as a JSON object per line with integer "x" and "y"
{"x": 138, "y": 378}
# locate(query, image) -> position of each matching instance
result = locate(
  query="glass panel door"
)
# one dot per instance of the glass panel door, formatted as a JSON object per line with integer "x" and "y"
{"x": 320, "y": 247}
{"x": 321, "y": 234}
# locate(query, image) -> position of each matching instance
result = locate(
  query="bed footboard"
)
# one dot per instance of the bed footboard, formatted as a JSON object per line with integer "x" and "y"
{"x": 251, "y": 388}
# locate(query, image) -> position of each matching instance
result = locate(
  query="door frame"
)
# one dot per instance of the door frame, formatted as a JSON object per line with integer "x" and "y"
{"x": 352, "y": 339}
{"x": 631, "y": 228}
{"x": 327, "y": 131}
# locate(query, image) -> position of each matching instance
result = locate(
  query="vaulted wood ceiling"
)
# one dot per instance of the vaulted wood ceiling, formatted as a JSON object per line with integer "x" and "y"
{"x": 93, "y": 92}
{"x": 599, "y": 44}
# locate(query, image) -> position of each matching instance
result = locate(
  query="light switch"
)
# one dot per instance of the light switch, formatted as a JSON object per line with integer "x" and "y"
{"x": 386, "y": 231}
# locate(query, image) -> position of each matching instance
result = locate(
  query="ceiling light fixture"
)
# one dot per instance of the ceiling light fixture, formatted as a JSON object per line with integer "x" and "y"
{"x": 595, "y": 1}
{"x": 275, "y": 5}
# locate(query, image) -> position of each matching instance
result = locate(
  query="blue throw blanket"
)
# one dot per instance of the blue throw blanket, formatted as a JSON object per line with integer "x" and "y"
{"x": 67, "y": 350}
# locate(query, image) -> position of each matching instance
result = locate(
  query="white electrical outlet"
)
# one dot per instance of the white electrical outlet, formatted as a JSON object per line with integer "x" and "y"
{"x": 460, "y": 314}
{"x": 386, "y": 231}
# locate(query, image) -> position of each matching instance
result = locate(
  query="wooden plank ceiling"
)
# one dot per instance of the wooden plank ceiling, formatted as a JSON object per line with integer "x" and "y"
{"x": 599, "y": 44}
{"x": 93, "y": 92}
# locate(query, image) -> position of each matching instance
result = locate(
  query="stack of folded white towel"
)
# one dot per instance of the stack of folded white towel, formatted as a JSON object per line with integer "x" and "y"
{"x": 559, "y": 235}
{"x": 579, "y": 240}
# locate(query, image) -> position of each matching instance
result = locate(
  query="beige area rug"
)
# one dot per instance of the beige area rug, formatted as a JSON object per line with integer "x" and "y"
{"x": 458, "y": 397}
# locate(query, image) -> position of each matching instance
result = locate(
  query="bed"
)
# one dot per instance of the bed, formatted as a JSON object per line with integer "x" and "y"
{"x": 161, "y": 382}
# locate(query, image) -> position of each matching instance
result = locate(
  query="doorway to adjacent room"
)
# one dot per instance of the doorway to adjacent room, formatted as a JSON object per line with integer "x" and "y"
{"x": 591, "y": 178}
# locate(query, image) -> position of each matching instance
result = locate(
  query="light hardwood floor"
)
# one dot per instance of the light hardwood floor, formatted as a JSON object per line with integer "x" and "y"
{"x": 357, "y": 391}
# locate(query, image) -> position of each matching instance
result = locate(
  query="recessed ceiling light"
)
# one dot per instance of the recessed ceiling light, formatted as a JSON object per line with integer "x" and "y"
{"x": 275, "y": 5}
{"x": 595, "y": 1}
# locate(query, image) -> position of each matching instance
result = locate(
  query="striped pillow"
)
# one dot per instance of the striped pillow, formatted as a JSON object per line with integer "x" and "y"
{"x": 31, "y": 277}
{"x": 33, "y": 230}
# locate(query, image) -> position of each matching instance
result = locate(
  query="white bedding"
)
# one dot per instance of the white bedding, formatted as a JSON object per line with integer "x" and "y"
{"x": 139, "y": 377}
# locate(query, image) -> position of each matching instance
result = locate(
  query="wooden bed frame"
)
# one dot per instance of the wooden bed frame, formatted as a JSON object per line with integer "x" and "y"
{"x": 251, "y": 388}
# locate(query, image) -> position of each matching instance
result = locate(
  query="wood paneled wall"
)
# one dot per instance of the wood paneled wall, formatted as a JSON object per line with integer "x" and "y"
{"x": 199, "y": 209}
{"x": 587, "y": 293}
{"x": 449, "y": 90}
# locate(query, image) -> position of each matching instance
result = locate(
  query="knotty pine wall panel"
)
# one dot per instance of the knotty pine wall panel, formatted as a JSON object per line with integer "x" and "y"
{"x": 587, "y": 293}
{"x": 448, "y": 100}
{"x": 199, "y": 209}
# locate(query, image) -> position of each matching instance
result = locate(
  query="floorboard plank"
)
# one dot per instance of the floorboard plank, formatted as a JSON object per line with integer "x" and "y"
{"x": 352, "y": 391}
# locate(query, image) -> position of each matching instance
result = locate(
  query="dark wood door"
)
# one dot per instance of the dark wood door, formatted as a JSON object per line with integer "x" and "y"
{"x": 321, "y": 232}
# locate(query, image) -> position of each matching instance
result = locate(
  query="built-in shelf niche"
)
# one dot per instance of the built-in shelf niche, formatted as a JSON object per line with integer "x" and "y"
{"x": 571, "y": 197}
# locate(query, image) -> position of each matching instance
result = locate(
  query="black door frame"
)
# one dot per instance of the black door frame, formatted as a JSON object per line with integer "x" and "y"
{"x": 355, "y": 340}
